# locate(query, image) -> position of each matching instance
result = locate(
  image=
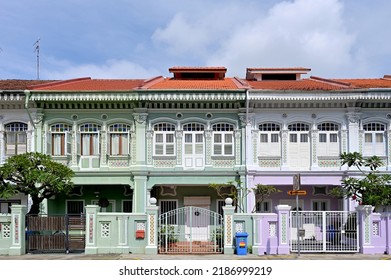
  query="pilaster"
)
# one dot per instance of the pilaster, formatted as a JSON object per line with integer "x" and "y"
{"x": 18, "y": 232}
{"x": 91, "y": 229}
{"x": 283, "y": 229}
{"x": 152, "y": 227}
{"x": 228, "y": 212}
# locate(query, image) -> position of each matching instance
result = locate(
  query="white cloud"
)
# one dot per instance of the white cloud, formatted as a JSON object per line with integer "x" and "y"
{"x": 308, "y": 33}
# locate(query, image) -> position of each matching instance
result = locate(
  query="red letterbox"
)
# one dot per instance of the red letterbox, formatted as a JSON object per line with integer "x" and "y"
{"x": 140, "y": 234}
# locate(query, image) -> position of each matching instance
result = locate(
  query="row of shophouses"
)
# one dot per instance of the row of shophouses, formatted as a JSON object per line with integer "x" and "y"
{"x": 171, "y": 137}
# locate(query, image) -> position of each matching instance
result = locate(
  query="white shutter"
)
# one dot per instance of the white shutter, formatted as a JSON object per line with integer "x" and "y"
{"x": 49, "y": 148}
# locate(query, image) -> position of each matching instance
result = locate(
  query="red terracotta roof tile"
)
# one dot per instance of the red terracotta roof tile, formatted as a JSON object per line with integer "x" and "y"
{"x": 301, "y": 85}
{"x": 88, "y": 84}
{"x": 367, "y": 83}
{"x": 20, "y": 84}
{"x": 168, "y": 83}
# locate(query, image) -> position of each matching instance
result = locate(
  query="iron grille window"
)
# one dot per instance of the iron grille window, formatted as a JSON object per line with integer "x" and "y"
{"x": 127, "y": 206}
{"x": 166, "y": 210}
{"x": 75, "y": 207}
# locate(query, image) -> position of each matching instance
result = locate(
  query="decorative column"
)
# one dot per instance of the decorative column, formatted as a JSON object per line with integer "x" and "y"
{"x": 140, "y": 193}
{"x": 208, "y": 146}
{"x": 229, "y": 235}
{"x": 179, "y": 139}
{"x": 284, "y": 148}
{"x": 18, "y": 232}
{"x": 365, "y": 226}
{"x": 35, "y": 136}
{"x": 283, "y": 229}
{"x": 238, "y": 145}
{"x": 140, "y": 120}
{"x": 103, "y": 145}
{"x": 152, "y": 227}
{"x": 251, "y": 201}
{"x": 254, "y": 144}
{"x": 91, "y": 229}
{"x": 353, "y": 117}
{"x": 314, "y": 149}
{"x": 149, "y": 136}
{"x": 75, "y": 134}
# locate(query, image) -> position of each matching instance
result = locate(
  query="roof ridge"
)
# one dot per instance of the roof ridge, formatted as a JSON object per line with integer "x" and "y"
{"x": 240, "y": 83}
{"x": 330, "y": 81}
{"x": 45, "y": 85}
{"x": 150, "y": 82}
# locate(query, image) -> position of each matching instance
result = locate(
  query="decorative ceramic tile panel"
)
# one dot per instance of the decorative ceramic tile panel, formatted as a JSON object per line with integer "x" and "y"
{"x": 5, "y": 230}
{"x": 272, "y": 229}
{"x": 140, "y": 226}
{"x": 239, "y": 227}
{"x": 105, "y": 229}
{"x": 376, "y": 228}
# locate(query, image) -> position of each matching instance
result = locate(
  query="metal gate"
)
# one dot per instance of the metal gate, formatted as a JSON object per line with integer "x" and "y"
{"x": 190, "y": 230}
{"x": 324, "y": 231}
{"x": 55, "y": 234}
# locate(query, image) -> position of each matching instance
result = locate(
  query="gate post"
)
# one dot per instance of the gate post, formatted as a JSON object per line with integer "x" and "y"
{"x": 388, "y": 233}
{"x": 283, "y": 229}
{"x": 18, "y": 230}
{"x": 228, "y": 211}
{"x": 365, "y": 228}
{"x": 152, "y": 227}
{"x": 91, "y": 230}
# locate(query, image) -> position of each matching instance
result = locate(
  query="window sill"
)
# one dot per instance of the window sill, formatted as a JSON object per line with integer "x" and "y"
{"x": 222, "y": 157}
{"x": 164, "y": 157}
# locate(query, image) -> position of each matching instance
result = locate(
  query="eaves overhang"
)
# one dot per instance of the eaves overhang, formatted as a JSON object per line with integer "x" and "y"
{"x": 315, "y": 95}
{"x": 147, "y": 95}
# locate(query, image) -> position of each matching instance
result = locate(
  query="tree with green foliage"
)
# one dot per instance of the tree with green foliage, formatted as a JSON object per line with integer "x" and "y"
{"x": 36, "y": 175}
{"x": 239, "y": 193}
{"x": 370, "y": 187}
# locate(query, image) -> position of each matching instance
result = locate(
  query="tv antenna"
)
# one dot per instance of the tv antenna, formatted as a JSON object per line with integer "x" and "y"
{"x": 36, "y": 49}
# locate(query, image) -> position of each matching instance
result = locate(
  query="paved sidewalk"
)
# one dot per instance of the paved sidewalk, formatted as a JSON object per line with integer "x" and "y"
{"x": 303, "y": 256}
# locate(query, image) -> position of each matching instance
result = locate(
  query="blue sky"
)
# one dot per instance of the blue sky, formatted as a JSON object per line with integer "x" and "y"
{"x": 142, "y": 39}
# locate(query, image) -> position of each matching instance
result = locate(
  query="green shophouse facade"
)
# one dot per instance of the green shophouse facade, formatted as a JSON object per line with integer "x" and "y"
{"x": 129, "y": 140}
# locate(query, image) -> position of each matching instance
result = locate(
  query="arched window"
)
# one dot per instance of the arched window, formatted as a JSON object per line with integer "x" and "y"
{"x": 374, "y": 139}
{"x": 269, "y": 138}
{"x": 164, "y": 136}
{"x": 89, "y": 139}
{"x": 223, "y": 139}
{"x": 15, "y": 138}
{"x": 328, "y": 142}
{"x": 119, "y": 139}
{"x": 59, "y": 140}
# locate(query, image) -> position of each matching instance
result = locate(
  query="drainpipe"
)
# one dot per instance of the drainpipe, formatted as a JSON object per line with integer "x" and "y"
{"x": 26, "y": 106}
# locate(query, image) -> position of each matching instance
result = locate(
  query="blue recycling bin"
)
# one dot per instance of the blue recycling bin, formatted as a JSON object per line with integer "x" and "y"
{"x": 241, "y": 243}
